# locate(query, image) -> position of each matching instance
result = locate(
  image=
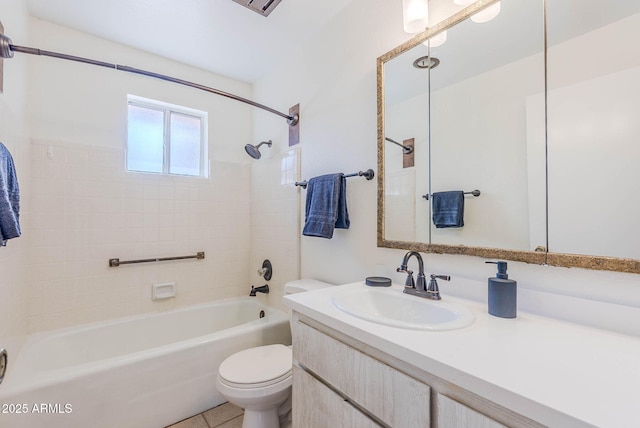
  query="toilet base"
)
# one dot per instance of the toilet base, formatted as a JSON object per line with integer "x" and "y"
{"x": 261, "y": 419}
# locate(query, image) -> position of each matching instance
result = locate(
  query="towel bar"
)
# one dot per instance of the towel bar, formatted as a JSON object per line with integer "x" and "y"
{"x": 475, "y": 193}
{"x": 368, "y": 174}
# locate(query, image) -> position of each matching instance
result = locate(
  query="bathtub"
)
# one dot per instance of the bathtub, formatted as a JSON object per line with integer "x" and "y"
{"x": 143, "y": 371}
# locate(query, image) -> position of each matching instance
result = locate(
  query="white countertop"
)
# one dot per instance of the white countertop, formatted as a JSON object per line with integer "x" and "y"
{"x": 556, "y": 373}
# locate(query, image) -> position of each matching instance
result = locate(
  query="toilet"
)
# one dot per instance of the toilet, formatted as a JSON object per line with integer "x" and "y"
{"x": 259, "y": 379}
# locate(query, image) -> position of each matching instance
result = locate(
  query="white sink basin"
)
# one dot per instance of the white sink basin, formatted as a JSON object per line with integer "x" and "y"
{"x": 392, "y": 307}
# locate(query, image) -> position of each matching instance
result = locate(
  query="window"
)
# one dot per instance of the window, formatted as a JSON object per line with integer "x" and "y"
{"x": 166, "y": 139}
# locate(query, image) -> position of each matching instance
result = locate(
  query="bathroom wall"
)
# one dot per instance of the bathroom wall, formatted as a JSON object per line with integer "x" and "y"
{"x": 14, "y": 134}
{"x": 274, "y": 217}
{"x": 333, "y": 76}
{"x": 86, "y": 208}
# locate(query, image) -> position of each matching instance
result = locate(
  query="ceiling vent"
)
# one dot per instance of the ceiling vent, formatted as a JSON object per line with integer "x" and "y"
{"x": 263, "y": 7}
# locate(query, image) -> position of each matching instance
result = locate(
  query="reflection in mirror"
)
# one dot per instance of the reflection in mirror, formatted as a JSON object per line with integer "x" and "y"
{"x": 480, "y": 132}
{"x": 593, "y": 127}
{"x": 479, "y": 139}
{"x": 406, "y": 118}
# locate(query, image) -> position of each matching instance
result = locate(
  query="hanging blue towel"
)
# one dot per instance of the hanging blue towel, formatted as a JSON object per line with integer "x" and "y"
{"x": 9, "y": 198}
{"x": 448, "y": 209}
{"x": 326, "y": 206}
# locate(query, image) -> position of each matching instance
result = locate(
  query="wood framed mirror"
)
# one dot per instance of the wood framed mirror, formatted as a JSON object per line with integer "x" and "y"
{"x": 514, "y": 107}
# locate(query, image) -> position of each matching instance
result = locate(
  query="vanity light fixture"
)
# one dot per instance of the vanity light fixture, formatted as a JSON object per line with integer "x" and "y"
{"x": 415, "y": 14}
{"x": 484, "y": 15}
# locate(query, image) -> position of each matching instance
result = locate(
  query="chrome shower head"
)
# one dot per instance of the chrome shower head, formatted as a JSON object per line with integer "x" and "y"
{"x": 254, "y": 151}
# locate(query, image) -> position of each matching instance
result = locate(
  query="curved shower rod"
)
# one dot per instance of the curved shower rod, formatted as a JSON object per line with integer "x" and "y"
{"x": 7, "y": 48}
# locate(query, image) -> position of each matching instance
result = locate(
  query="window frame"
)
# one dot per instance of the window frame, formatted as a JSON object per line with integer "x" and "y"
{"x": 167, "y": 109}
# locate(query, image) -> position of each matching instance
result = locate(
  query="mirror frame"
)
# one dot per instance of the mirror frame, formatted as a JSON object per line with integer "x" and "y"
{"x": 534, "y": 257}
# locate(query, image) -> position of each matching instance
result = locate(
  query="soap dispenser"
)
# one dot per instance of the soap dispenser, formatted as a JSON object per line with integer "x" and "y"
{"x": 502, "y": 293}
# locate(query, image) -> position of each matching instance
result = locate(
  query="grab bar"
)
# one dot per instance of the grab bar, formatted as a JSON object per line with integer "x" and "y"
{"x": 475, "y": 193}
{"x": 368, "y": 174}
{"x": 117, "y": 262}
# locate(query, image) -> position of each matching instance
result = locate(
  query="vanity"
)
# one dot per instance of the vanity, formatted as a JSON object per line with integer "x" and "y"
{"x": 530, "y": 371}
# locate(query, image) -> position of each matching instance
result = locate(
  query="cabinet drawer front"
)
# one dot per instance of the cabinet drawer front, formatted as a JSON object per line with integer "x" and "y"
{"x": 391, "y": 396}
{"x": 452, "y": 414}
{"x": 316, "y": 406}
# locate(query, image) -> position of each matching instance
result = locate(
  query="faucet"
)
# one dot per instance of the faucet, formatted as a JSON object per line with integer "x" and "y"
{"x": 409, "y": 283}
{"x": 420, "y": 288}
{"x": 262, "y": 289}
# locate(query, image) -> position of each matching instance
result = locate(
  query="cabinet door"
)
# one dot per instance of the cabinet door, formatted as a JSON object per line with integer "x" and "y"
{"x": 452, "y": 414}
{"x": 391, "y": 396}
{"x": 316, "y": 406}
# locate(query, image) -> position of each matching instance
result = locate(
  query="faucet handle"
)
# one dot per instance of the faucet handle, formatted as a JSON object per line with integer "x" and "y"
{"x": 433, "y": 289}
{"x": 409, "y": 283}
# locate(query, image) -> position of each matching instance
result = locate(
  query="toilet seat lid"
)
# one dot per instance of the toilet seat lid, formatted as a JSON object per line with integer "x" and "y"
{"x": 254, "y": 366}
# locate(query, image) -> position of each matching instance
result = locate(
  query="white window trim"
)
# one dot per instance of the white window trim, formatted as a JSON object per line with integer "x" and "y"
{"x": 168, "y": 108}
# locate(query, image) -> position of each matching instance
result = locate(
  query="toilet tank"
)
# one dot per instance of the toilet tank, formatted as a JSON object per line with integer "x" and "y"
{"x": 302, "y": 285}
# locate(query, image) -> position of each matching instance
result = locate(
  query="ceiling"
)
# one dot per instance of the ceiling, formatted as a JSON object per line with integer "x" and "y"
{"x": 217, "y": 35}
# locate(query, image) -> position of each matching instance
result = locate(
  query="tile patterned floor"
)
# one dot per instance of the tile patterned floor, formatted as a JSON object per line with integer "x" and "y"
{"x": 224, "y": 416}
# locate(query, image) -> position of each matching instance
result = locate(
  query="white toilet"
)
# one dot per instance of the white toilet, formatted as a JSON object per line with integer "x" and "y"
{"x": 259, "y": 379}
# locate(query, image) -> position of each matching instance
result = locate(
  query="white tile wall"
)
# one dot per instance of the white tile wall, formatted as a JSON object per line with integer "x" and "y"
{"x": 13, "y": 293}
{"x": 88, "y": 209}
{"x": 275, "y": 226}
{"x": 14, "y": 134}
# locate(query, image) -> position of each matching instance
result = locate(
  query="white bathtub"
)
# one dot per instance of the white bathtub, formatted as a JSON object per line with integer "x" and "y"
{"x": 144, "y": 371}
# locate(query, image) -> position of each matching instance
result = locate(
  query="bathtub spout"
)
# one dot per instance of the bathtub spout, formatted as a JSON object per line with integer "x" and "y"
{"x": 263, "y": 289}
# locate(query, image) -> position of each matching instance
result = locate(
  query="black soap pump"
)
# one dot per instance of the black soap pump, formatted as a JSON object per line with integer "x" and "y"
{"x": 503, "y": 291}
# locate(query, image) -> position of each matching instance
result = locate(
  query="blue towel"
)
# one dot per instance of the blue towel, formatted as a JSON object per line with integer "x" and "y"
{"x": 326, "y": 207}
{"x": 9, "y": 198}
{"x": 448, "y": 209}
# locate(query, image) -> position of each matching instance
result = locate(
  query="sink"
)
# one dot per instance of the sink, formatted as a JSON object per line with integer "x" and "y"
{"x": 392, "y": 307}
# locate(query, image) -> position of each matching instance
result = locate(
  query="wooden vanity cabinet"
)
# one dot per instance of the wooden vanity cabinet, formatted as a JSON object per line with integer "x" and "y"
{"x": 341, "y": 382}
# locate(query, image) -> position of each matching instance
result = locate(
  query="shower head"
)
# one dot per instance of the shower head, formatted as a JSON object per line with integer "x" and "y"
{"x": 254, "y": 151}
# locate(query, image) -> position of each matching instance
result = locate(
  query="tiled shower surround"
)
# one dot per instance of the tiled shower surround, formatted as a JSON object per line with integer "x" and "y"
{"x": 86, "y": 208}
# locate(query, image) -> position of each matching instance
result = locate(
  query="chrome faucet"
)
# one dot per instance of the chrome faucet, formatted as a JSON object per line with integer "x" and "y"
{"x": 420, "y": 288}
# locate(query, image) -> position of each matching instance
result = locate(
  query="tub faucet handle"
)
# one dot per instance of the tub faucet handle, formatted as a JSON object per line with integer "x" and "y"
{"x": 266, "y": 270}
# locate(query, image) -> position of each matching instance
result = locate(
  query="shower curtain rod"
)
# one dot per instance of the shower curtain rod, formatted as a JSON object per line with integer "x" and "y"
{"x": 7, "y": 49}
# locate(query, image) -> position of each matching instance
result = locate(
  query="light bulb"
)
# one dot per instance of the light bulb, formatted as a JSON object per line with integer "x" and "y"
{"x": 415, "y": 15}
{"x": 487, "y": 14}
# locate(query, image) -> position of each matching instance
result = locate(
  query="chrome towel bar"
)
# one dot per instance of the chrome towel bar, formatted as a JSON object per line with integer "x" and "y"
{"x": 117, "y": 262}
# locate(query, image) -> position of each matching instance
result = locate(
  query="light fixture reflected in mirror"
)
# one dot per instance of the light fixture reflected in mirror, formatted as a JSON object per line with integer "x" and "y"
{"x": 436, "y": 40}
{"x": 484, "y": 15}
{"x": 487, "y": 14}
{"x": 415, "y": 14}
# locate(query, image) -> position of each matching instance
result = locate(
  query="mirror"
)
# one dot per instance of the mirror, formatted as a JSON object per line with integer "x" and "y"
{"x": 477, "y": 121}
{"x": 593, "y": 128}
